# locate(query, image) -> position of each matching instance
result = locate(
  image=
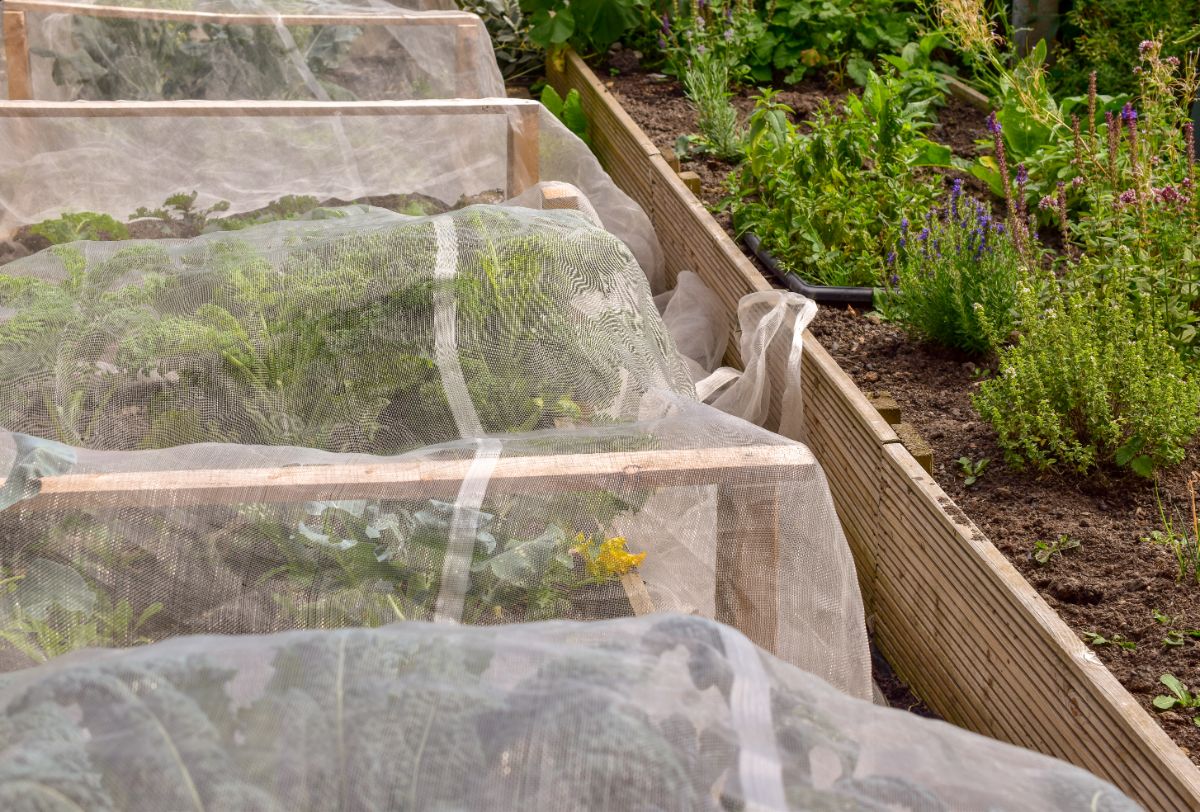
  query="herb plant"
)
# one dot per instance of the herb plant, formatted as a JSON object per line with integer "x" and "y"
{"x": 1044, "y": 551}
{"x": 84, "y": 225}
{"x": 972, "y": 470}
{"x": 828, "y": 202}
{"x": 1093, "y": 381}
{"x": 1180, "y": 697}
{"x": 955, "y": 281}
{"x": 1097, "y": 640}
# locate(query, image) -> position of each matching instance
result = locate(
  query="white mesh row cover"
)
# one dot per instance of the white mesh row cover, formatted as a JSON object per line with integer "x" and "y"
{"x": 364, "y": 330}
{"x": 734, "y": 522}
{"x": 382, "y": 52}
{"x": 115, "y": 158}
{"x": 663, "y": 712}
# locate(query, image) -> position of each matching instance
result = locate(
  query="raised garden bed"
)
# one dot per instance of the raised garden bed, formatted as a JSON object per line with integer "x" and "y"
{"x": 949, "y": 610}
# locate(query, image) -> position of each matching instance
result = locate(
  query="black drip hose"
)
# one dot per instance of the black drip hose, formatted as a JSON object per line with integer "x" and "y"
{"x": 862, "y": 298}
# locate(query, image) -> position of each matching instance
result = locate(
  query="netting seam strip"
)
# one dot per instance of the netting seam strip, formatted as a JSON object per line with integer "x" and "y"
{"x": 464, "y": 529}
{"x": 445, "y": 338}
{"x": 759, "y": 768}
{"x": 707, "y": 386}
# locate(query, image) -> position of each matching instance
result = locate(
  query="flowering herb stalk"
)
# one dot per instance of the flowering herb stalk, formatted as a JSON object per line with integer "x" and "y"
{"x": 954, "y": 281}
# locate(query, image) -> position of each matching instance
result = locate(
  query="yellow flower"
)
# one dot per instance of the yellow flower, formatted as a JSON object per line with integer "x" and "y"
{"x": 609, "y": 558}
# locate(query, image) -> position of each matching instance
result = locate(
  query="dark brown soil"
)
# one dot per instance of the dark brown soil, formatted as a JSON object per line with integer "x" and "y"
{"x": 1116, "y": 581}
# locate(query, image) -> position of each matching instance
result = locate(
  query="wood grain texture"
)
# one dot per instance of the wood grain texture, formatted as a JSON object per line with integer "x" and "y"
{"x": 426, "y": 18}
{"x": 173, "y": 109}
{"x": 419, "y": 478}
{"x": 16, "y": 54}
{"x": 960, "y": 624}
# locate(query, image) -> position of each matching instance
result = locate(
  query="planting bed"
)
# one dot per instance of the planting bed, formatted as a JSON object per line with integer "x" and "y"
{"x": 1115, "y": 583}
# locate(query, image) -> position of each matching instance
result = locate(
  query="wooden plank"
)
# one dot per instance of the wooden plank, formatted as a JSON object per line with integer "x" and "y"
{"x": 559, "y": 196}
{"x": 170, "y": 109}
{"x": 16, "y": 54}
{"x": 466, "y": 59}
{"x": 1053, "y": 694}
{"x": 523, "y": 157}
{"x": 639, "y": 596}
{"x": 419, "y": 19}
{"x": 419, "y": 478}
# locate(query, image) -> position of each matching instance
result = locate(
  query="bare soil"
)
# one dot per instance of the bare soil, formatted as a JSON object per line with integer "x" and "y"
{"x": 1116, "y": 582}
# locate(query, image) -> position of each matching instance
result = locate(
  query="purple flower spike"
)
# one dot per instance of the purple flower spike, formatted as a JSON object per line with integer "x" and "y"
{"x": 993, "y": 125}
{"x": 1046, "y": 202}
{"x": 903, "y": 225}
{"x": 891, "y": 260}
{"x": 924, "y": 235}
{"x": 1022, "y": 175}
{"x": 1129, "y": 112}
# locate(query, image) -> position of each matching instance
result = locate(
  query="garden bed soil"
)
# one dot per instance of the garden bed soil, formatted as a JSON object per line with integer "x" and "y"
{"x": 1116, "y": 582}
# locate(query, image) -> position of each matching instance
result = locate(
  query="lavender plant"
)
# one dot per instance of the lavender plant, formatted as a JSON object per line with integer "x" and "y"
{"x": 707, "y": 46}
{"x": 955, "y": 281}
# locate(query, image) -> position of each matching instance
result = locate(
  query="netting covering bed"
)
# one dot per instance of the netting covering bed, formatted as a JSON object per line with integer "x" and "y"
{"x": 244, "y": 49}
{"x": 520, "y": 348}
{"x": 655, "y": 713}
{"x": 118, "y": 159}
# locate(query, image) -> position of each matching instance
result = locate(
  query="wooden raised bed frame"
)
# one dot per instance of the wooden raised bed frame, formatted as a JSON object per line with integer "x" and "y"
{"x": 16, "y": 35}
{"x": 952, "y": 615}
{"x": 747, "y": 562}
{"x": 523, "y": 122}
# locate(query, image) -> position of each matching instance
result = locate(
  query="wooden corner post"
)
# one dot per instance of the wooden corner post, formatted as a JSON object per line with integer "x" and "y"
{"x": 16, "y": 54}
{"x": 747, "y": 564}
{"x": 466, "y": 61}
{"x": 523, "y": 148}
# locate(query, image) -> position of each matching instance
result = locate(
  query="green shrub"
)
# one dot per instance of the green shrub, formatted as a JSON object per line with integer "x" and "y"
{"x": 83, "y": 225}
{"x": 828, "y": 202}
{"x": 955, "y": 281}
{"x": 1093, "y": 381}
{"x": 1103, "y": 36}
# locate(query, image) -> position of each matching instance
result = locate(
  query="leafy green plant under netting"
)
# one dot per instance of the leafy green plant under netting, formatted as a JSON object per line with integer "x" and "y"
{"x": 638, "y": 713}
{"x": 322, "y": 334}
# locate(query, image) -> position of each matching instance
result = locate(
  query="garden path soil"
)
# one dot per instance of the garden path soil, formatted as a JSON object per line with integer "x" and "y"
{"x": 1115, "y": 582}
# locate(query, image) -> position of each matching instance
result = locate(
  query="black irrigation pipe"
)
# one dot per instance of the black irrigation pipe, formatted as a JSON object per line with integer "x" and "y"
{"x": 863, "y": 298}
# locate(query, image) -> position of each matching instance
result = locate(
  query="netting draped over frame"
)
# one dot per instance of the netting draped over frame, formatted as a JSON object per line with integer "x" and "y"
{"x": 364, "y": 330}
{"x": 662, "y": 712}
{"x": 257, "y": 49}
{"x": 422, "y": 157}
{"x": 721, "y": 518}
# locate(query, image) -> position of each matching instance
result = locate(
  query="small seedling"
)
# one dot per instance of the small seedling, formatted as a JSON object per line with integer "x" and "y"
{"x": 1180, "y": 697}
{"x": 1043, "y": 551}
{"x": 972, "y": 471}
{"x": 1177, "y": 637}
{"x": 1159, "y": 617}
{"x": 1097, "y": 640}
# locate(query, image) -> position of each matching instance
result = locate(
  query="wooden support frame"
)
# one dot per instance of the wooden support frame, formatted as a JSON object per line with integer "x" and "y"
{"x": 522, "y": 114}
{"x": 934, "y": 587}
{"x": 466, "y": 27}
{"x": 748, "y": 559}
{"x": 16, "y": 54}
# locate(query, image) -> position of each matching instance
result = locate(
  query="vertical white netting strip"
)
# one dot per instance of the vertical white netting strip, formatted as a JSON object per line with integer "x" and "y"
{"x": 759, "y": 768}
{"x": 464, "y": 529}
{"x": 445, "y": 341}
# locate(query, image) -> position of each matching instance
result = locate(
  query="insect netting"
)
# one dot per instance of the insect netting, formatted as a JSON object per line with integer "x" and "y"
{"x": 364, "y": 331}
{"x": 685, "y": 509}
{"x": 111, "y": 169}
{"x": 664, "y": 712}
{"x": 252, "y": 49}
